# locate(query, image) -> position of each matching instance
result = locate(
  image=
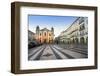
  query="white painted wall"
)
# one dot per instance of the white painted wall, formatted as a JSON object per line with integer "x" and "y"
{"x": 5, "y": 42}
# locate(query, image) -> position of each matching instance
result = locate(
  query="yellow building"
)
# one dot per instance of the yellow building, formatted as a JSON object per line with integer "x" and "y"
{"x": 44, "y": 35}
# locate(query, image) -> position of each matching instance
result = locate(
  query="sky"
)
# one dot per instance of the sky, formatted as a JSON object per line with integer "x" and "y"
{"x": 59, "y": 23}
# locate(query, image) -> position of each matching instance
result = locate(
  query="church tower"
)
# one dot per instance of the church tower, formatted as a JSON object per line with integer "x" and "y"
{"x": 37, "y": 33}
{"x": 52, "y": 29}
{"x": 37, "y": 30}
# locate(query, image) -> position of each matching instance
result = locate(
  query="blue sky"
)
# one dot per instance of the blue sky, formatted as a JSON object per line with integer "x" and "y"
{"x": 60, "y": 23}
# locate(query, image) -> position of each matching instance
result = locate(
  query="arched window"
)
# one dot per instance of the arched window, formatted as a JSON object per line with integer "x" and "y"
{"x": 40, "y": 34}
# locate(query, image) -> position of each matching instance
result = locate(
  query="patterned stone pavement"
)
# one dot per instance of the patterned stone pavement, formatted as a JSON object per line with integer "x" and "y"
{"x": 53, "y": 52}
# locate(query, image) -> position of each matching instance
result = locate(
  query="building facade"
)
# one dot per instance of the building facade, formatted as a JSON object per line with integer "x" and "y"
{"x": 83, "y": 30}
{"x": 77, "y": 33}
{"x": 31, "y": 36}
{"x": 44, "y": 35}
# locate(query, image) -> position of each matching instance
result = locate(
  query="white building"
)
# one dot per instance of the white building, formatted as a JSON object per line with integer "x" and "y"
{"x": 76, "y": 33}
{"x": 31, "y": 36}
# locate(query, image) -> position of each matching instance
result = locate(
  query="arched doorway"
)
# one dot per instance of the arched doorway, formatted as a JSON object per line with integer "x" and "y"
{"x": 86, "y": 40}
{"x": 76, "y": 40}
{"x": 82, "y": 40}
{"x": 44, "y": 40}
{"x": 73, "y": 41}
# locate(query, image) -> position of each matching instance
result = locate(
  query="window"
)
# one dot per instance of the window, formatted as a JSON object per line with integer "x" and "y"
{"x": 82, "y": 27}
{"x": 40, "y": 34}
{"x": 86, "y": 21}
{"x": 81, "y": 20}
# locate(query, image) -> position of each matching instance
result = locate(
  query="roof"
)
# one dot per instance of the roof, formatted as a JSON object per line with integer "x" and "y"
{"x": 44, "y": 29}
{"x": 31, "y": 32}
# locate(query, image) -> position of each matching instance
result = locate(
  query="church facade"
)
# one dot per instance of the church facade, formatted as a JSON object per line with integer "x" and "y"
{"x": 44, "y": 35}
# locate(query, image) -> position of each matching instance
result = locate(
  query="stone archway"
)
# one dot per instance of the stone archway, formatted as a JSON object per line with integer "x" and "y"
{"x": 82, "y": 41}
{"x": 86, "y": 40}
{"x": 76, "y": 40}
{"x": 73, "y": 41}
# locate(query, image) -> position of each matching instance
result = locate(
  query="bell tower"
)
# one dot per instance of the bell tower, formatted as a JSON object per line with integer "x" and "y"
{"x": 52, "y": 29}
{"x": 37, "y": 30}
